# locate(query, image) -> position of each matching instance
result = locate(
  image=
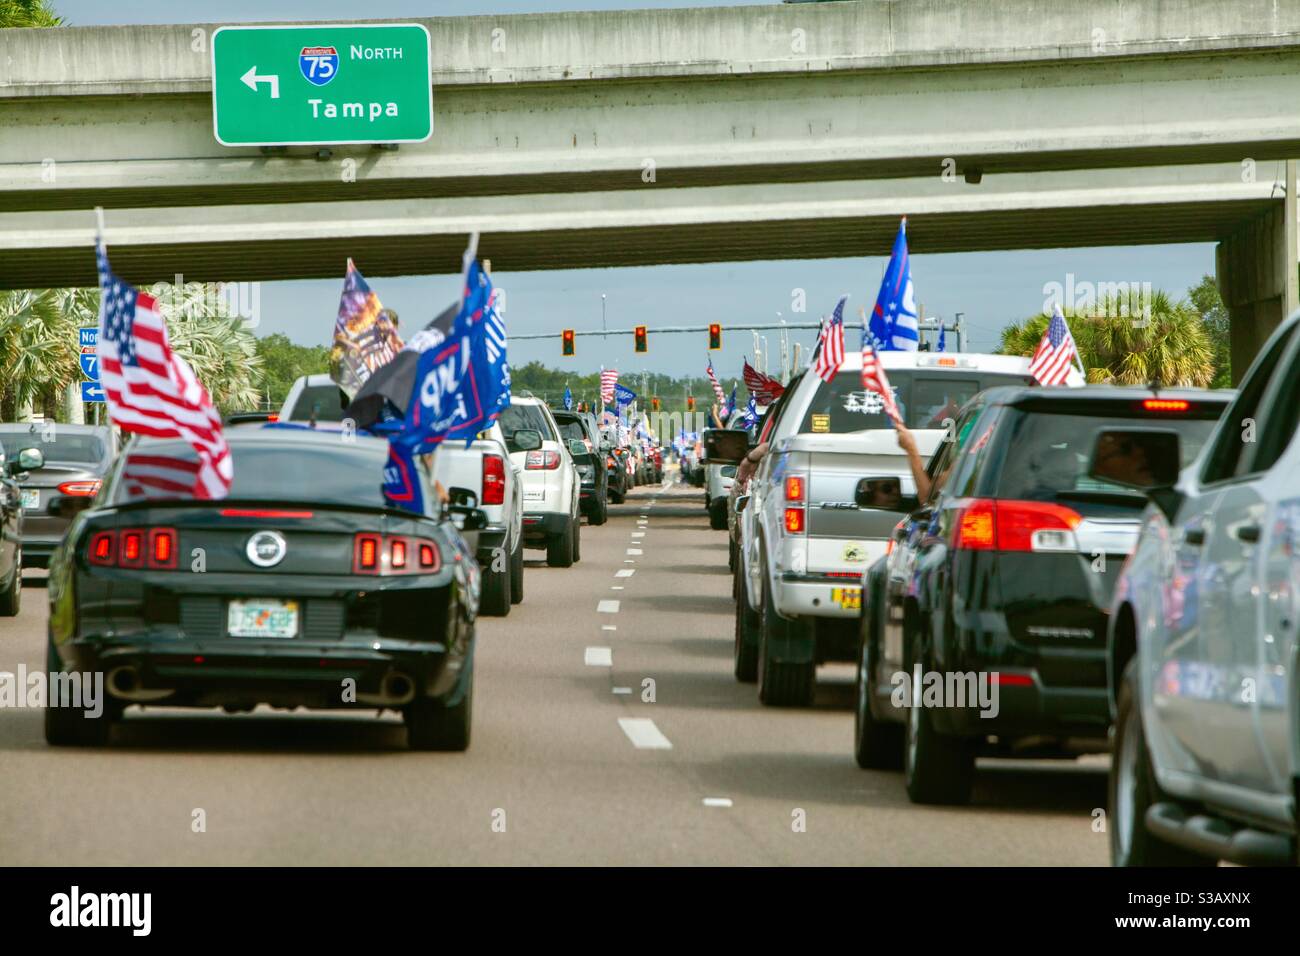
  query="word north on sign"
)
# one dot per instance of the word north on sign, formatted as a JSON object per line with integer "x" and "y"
{"x": 321, "y": 85}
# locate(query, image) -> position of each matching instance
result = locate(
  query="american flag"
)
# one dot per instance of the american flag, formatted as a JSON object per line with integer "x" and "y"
{"x": 763, "y": 387}
{"x": 875, "y": 380}
{"x": 1055, "y": 361}
{"x": 830, "y": 345}
{"x": 713, "y": 380}
{"x": 149, "y": 389}
{"x": 608, "y": 379}
{"x": 159, "y": 476}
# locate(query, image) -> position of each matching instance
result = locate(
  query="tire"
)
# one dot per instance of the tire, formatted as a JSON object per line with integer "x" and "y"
{"x": 577, "y": 539}
{"x": 1133, "y": 788}
{"x": 11, "y": 598}
{"x": 877, "y": 745}
{"x": 517, "y": 572}
{"x": 600, "y": 513}
{"x": 745, "y": 651}
{"x": 69, "y": 726}
{"x": 731, "y": 557}
{"x": 937, "y": 769}
{"x": 433, "y": 724}
{"x": 718, "y": 515}
{"x": 781, "y": 683}
{"x": 559, "y": 548}
{"x": 615, "y": 496}
{"x": 495, "y": 600}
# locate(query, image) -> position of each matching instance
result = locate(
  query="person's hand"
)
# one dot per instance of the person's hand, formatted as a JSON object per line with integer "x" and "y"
{"x": 906, "y": 440}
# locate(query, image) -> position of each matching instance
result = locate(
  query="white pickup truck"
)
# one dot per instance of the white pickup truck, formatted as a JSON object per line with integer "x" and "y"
{"x": 805, "y": 543}
{"x": 484, "y": 467}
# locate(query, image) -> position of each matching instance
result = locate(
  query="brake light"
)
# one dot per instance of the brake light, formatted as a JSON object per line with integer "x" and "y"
{"x": 794, "y": 520}
{"x": 162, "y": 548}
{"x": 103, "y": 544}
{"x": 794, "y": 488}
{"x": 1165, "y": 405}
{"x": 263, "y": 513}
{"x": 543, "y": 460}
{"x": 988, "y": 525}
{"x": 80, "y": 489}
{"x": 131, "y": 554}
{"x": 494, "y": 480}
{"x": 390, "y": 554}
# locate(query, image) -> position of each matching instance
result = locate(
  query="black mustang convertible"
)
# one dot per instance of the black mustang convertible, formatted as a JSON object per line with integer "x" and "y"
{"x": 303, "y": 588}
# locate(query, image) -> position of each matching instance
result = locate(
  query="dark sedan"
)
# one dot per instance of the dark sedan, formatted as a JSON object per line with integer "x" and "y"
{"x": 300, "y": 589}
{"x": 594, "y": 495}
{"x": 75, "y": 459}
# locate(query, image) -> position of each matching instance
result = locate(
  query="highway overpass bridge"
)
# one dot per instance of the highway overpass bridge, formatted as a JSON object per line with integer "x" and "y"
{"x": 690, "y": 135}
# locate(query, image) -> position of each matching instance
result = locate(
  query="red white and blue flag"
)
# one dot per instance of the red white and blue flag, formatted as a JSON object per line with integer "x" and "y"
{"x": 713, "y": 380}
{"x": 894, "y": 322}
{"x": 830, "y": 344}
{"x": 875, "y": 380}
{"x": 608, "y": 379}
{"x": 149, "y": 390}
{"x": 763, "y": 387}
{"x": 1056, "y": 360}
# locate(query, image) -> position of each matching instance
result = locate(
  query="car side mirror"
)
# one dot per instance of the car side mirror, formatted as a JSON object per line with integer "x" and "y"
{"x": 1145, "y": 459}
{"x": 884, "y": 493}
{"x": 31, "y": 459}
{"x": 741, "y": 502}
{"x": 724, "y": 446}
{"x": 527, "y": 439}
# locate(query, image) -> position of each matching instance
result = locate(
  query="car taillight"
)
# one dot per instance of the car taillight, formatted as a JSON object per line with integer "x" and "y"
{"x": 989, "y": 525}
{"x": 153, "y": 548}
{"x": 544, "y": 460}
{"x": 494, "y": 480}
{"x": 80, "y": 489}
{"x": 1164, "y": 405}
{"x": 794, "y": 520}
{"x": 162, "y": 548}
{"x": 131, "y": 550}
{"x": 794, "y": 488}
{"x": 103, "y": 547}
{"x": 391, "y": 554}
{"x": 609, "y": 462}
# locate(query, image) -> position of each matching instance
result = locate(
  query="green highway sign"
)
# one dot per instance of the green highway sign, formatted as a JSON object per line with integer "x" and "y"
{"x": 321, "y": 85}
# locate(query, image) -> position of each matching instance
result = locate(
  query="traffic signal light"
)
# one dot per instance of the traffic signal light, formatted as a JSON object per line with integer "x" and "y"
{"x": 640, "y": 339}
{"x": 715, "y": 336}
{"x": 654, "y": 403}
{"x": 690, "y": 403}
{"x": 566, "y": 340}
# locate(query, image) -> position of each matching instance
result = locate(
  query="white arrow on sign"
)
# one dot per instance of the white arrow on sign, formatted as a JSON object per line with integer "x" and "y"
{"x": 251, "y": 79}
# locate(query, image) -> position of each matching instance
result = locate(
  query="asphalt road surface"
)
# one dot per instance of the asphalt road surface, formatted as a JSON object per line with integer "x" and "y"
{"x": 570, "y": 762}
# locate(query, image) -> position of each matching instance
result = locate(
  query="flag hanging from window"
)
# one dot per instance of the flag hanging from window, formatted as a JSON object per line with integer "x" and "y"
{"x": 875, "y": 380}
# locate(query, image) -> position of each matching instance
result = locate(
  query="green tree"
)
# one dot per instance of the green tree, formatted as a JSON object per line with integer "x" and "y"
{"x": 38, "y": 352}
{"x": 283, "y": 362}
{"x": 1209, "y": 305}
{"x": 1170, "y": 347}
{"x": 28, "y": 13}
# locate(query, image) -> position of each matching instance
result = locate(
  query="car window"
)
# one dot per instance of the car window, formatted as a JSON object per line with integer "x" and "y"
{"x": 943, "y": 463}
{"x": 325, "y": 401}
{"x": 975, "y": 451}
{"x": 1282, "y": 419}
{"x": 1225, "y": 459}
{"x": 926, "y": 400}
{"x": 570, "y": 429}
{"x": 525, "y": 417}
{"x": 64, "y": 447}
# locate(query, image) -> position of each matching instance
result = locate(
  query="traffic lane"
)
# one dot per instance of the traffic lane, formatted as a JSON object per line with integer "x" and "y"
{"x": 772, "y": 762}
{"x": 550, "y": 776}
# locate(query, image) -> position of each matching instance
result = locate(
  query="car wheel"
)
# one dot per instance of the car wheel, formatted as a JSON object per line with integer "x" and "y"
{"x": 731, "y": 557}
{"x": 718, "y": 515}
{"x": 877, "y": 745}
{"x": 517, "y": 572}
{"x": 745, "y": 653}
{"x": 11, "y": 598}
{"x": 435, "y": 724}
{"x": 781, "y": 683}
{"x": 616, "y": 496}
{"x": 600, "y": 513}
{"x": 72, "y": 726}
{"x": 577, "y": 539}
{"x": 559, "y": 548}
{"x": 495, "y": 598}
{"x": 1133, "y": 789}
{"x": 937, "y": 768}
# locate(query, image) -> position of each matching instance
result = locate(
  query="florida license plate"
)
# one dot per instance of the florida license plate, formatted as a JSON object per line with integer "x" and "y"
{"x": 848, "y": 598}
{"x": 263, "y": 617}
{"x": 31, "y": 499}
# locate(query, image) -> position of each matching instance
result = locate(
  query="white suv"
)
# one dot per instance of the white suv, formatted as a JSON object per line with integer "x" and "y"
{"x": 552, "y": 488}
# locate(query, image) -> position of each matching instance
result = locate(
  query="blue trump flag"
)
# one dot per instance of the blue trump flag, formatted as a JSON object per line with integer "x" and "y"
{"x": 751, "y": 413}
{"x": 731, "y": 405}
{"x": 623, "y": 395}
{"x": 893, "y": 324}
{"x": 568, "y": 399}
{"x": 941, "y": 331}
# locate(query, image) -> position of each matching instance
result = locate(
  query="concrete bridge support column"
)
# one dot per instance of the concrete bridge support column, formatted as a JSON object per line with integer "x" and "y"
{"x": 1258, "y": 274}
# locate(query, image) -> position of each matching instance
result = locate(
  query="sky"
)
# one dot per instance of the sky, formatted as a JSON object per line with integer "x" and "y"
{"x": 990, "y": 289}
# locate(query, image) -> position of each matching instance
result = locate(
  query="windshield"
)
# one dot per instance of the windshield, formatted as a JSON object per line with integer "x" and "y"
{"x": 1048, "y": 455}
{"x": 571, "y": 430}
{"x": 926, "y": 399}
{"x": 80, "y": 449}
{"x": 325, "y": 400}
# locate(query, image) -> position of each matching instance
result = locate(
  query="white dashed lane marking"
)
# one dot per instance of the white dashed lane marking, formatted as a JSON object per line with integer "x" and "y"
{"x": 599, "y": 657}
{"x": 625, "y": 573}
{"x": 607, "y": 607}
{"x": 636, "y": 551}
{"x": 644, "y": 734}
{"x": 717, "y": 801}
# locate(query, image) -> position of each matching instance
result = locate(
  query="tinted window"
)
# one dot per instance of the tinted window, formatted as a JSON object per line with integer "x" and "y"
{"x": 570, "y": 430}
{"x": 519, "y": 417}
{"x": 926, "y": 399}
{"x": 1282, "y": 421}
{"x": 80, "y": 449}
{"x": 1047, "y": 455}
{"x": 1226, "y": 460}
{"x": 336, "y": 473}
{"x": 325, "y": 400}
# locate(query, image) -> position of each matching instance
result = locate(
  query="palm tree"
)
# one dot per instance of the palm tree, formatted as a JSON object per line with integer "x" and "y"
{"x": 38, "y": 351}
{"x": 1169, "y": 346}
{"x": 27, "y": 13}
{"x": 216, "y": 344}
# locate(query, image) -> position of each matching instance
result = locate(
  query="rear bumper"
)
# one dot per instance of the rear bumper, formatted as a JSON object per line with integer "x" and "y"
{"x": 1030, "y": 710}
{"x": 538, "y": 526}
{"x": 799, "y": 595}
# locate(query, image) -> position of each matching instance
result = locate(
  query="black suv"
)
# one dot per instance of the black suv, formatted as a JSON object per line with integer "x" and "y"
{"x": 581, "y": 426}
{"x": 985, "y": 623}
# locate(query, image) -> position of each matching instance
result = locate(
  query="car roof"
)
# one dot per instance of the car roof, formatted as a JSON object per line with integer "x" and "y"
{"x": 956, "y": 362}
{"x": 1061, "y": 397}
{"x": 281, "y": 434}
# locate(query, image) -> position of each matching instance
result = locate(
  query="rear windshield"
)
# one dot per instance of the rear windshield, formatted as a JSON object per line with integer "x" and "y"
{"x": 81, "y": 449}
{"x": 346, "y": 473}
{"x": 521, "y": 417}
{"x": 325, "y": 400}
{"x": 571, "y": 429}
{"x": 926, "y": 398}
{"x": 1047, "y": 455}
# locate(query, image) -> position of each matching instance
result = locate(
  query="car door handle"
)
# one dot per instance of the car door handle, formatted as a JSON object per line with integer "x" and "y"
{"x": 1247, "y": 532}
{"x": 1194, "y": 536}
